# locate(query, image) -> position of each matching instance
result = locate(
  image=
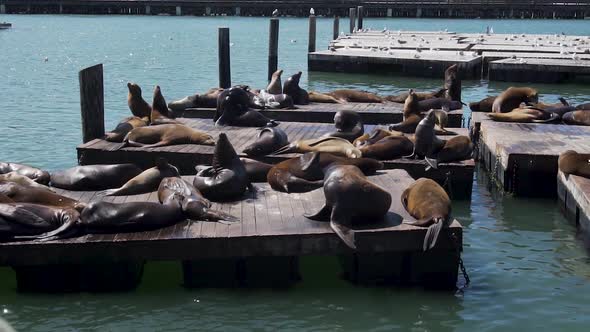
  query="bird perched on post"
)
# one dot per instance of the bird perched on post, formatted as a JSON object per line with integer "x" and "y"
{"x": 275, "y": 13}
{"x": 311, "y": 12}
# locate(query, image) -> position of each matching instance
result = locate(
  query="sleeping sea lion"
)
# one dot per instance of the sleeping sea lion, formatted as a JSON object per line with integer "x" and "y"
{"x": 425, "y": 141}
{"x": 348, "y": 125}
{"x": 124, "y": 127}
{"x": 572, "y": 162}
{"x": 256, "y": 170}
{"x": 318, "y": 97}
{"x": 291, "y": 88}
{"x": 226, "y": 178}
{"x": 32, "y": 173}
{"x": 275, "y": 87}
{"x": 579, "y": 118}
{"x": 582, "y": 107}
{"x": 428, "y": 202}
{"x": 146, "y": 181}
{"x": 512, "y": 97}
{"x": 484, "y": 105}
{"x": 94, "y": 177}
{"x": 166, "y": 134}
{"x": 275, "y": 101}
{"x": 33, "y": 220}
{"x": 137, "y": 105}
{"x": 524, "y": 115}
{"x": 388, "y": 148}
{"x": 335, "y": 145}
{"x": 350, "y": 198}
{"x": 457, "y": 148}
{"x": 401, "y": 98}
{"x": 453, "y": 83}
{"x": 20, "y": 179}
{"x": 43, "y": 196}
{"x": 206, "y": 100}
{"x": 355, "y": 96}
{"x": 160, "y": 113}
{"x": 408, "y": 126}
{"x": 376, "y": 135}
{"x": 269, "y": 139}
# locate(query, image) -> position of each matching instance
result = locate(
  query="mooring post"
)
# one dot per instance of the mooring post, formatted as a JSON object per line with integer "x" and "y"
{"x": 360, "y": 12}
{"x": 92, "y": 102}
{"x": 336, "y": 31}
{"x": 224, "y": 60}
{"x": 311, "y": 41}
{"x": 273, "y": 46}
{"x": 352, "y": 16}
{"x": 2, "y": 8}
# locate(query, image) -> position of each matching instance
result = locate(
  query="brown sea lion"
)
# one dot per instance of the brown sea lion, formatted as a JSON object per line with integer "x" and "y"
{"x": 524, "y": 115}
{"x": 166, "y": 134}
{"x": 233, "y": 109}
{"x": 20, "y": 179}
{"x": 23, "y": 194}
{"x": 428, "y": 202}
{"x": 453, "y": 83}
{"x": 306, "y": 172}
{"x": 160, "y": 113}
{"x": 572, "y": 162}
{"x": 583, "y": 107}
{"x": 376, "y": 135}
{"x": 426, "y": 143}
{"x": 124, "y": 127}
{"x": 137, "y": 105}
{"x": 512, "y": 97}
{"x": 275, "y": 87}
{"x": 226, "y": 178}
{"x": 579, "y": 118}
{"x": 34, "y": 220}
{"x": 177, "y": 191}
{"x": 355, "y": 96}
{"x": 388, "y": 148}
{"x": 94, "y": 177}
{"x": 408, "y": 126}
{"x": 318, "y": 97}
{"x": 146, "y": 181}
{"x": 401, "y": 98}
{"x": 484, "y": 105}
{"x": 269, "y": 139}
{"x": 291, "y": 88}
{"x": 348, "y": 125}
{"x": 351, "y": 198}
{"x": 335, "y": 145}
{"x": 411, "y": 105}
{"x": 32, "y": 173}
{"x": 257, "y": 171}
{"x": 457, "y": 148}
{"x": 205, "y": 100}
{"x": 549, "y": 107}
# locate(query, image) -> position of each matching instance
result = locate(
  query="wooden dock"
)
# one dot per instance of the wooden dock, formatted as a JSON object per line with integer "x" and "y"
{"x": 574, "y": 200}
{"x": 457, "y": 177}
{"x": 522, "y": 157}
{"x": 371, "y": 113}
{"x": 271, "y": 235}
{"x": 540, "y": 70}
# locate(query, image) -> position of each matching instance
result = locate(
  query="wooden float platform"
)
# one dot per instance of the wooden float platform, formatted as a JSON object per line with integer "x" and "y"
{"x": 539, "y": 70}
{"x": 456, "y": 177}
{"x": 271, "y": 227}
{"x": 522, "y": 157}
{"x": 574, "y": 200}
{"x": 371, "y": 113}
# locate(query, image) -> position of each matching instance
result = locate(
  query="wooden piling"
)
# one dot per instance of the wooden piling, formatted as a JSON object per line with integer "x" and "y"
{"x": 360, "y": 13}
{"x": 273, "y": 47}
{"x": 224, "y": 58}
{"x": 311, "y": 40}
{"x": 92, "y": 102}
{"x": 336, "y": 31}
{"x": 352, "y": 16}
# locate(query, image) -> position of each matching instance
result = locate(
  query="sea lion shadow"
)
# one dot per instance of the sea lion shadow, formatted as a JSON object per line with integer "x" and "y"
{"x": 391, "y": 219}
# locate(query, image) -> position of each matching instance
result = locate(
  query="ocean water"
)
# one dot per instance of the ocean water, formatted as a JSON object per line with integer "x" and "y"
{"x": 529, "y": 268}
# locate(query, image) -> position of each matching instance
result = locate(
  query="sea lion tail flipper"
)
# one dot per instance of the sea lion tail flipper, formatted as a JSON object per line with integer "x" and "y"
{"x": 289, "y": 148}
{"x": 321, "y": 215}
{"x": 552, "y": 117}
{"x": 432, "y": 163}
{"x": 412, "y": 156}
{"x": 339, "y": 223}
{"x": 563, "y": 101}
{"x": 108, "y": 192}
{"x": 432, "y": 234}
{"x": 220, "y": 216}
{"x": 272, "y": 123}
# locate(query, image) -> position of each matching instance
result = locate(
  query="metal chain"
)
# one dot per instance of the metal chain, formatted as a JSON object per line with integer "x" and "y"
{"x": 514, "y": 177}
{"x": 447, "y": 184}
{"x": 496, "y": 165}
{"x": 453, "y": 239}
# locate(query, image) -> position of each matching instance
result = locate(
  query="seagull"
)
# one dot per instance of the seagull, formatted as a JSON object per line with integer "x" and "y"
{"x": 275, "y": 13}
{"x": 311, "y": 12}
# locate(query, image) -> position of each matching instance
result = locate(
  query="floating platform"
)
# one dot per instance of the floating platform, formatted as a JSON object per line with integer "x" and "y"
{"x": 574, "y": 200}
{"x": 540, "y": 70}
{"x": 371, "y": 113}
{"x": 456, "y": 177}
{"x": 522, "y": 157}
{"x": 260, "y": 250}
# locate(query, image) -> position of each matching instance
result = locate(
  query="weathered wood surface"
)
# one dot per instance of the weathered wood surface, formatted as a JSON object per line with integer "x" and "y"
{"x": 371, "y": 113}
{"x": 92, "y": 102}
{"x": 574, "y": 198}
{"x": 223, "y": 57}
{"x": 272, "y": 224}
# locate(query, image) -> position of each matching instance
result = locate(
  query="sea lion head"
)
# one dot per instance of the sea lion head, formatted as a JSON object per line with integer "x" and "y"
{"x": 291, "y": 86}
{"x": 224, "y": 155}
{"x": 440, "y": 93}
{"x": 346, "y": 120}
{"x": 533, "y": 96}
{"x": 134, "y": 89}
{"x": 163, "y": 165}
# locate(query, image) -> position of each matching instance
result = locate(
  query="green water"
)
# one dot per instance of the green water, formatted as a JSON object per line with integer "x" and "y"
{"x": 529, "y": 269}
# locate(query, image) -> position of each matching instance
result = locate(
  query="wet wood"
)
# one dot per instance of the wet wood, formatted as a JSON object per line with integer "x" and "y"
{"x": 574, "y": 200}
{"x": 92, "y": 102}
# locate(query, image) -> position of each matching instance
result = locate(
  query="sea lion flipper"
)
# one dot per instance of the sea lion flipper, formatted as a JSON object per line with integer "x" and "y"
{"x": 432, "y": 163}
{"x": 321, "y": 215}
{"x": 404, "y": 198}
{"x": 339, "y": 221}
{"x": 432, "y": 234}
{"x": 220, "y": 216}
{"x": 309, "y": 160}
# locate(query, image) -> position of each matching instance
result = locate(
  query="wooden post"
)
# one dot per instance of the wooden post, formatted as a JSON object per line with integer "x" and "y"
{"x": 311, "y": 41}
{"x": 352, "y": 16}
{"x": 224, "y": 60}
{"x": 273, "y": 46}
{"x": 336, "y": 31}
{"x": 92, "y": 102}
{"x": 360, "y": 13}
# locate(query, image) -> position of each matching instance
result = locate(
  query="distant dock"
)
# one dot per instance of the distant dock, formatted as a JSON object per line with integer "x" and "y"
{"x": 5, "y": 25}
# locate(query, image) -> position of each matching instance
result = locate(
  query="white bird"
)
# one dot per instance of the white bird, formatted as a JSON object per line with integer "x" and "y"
{"x": 275, "y": 13}
{"x": 575, "y": 57}
{"x": 293, "y": 40}
{"x": 46, "y": 59}
{"x": 311, "y": 12}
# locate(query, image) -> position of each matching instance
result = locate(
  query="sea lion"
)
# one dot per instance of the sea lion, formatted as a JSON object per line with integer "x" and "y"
{"x": 455, "y": 149}
{"x": 583, "y": 107}
{"x": 376, "y": 135}
{"x": 32, "y": 173}
{"x": 348, "y": 125}
{"x": 146, "y": 181}
{"x": 192, "y": 202}
{"x": 525, "y": 114}
{"x": 275, "y": 101}
{"x": 206, "y": 100}
{"x": 233, "y": 109}
{"x": 306, "y": 172}
{"x": 166, "y": 134}
{"x": 137, "y": 105}
{"x": 350, "y": 197}
{"x": 572, "y": 162}
{"x": 160, "y": 113}
{"x": 401, "y": 98}
{"x": 428, "y": 202}
{"x": 425, "y": 141}
{"x": 388, "y": 148}
{"x": 20, "y": 179}
{"x": 256, "y": 170}
{"x": 5, "y": 199}
{"x": 484, "y": 105}
{"x": 512, "y": 97}
{"x": 275, "y": 87}
{"x": 453, "y": 83}
{"x": 269, "y": 140}
{"x": 94, "y": 177}
{"x": 408, "y": 126}
{"x": 226, "y": 178}
{"x": 124, "y": 127}
{"x": 291, "y": 88}
{"x": 333, "y": 145}
{"x": 24, "y": 194}
{"x": 355, "y": 96}
{"x": 318, "y": 97}
{"x": 33, "y": 220}
{"x": 411, "y": 105}
{"x": 579, "y": 118}
{"x": 550, "y": 107}
{"x": 439, "y": 103}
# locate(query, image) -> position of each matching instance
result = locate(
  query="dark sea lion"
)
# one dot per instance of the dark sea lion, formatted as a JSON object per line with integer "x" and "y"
{"x": 269, "y": 139}
{"x": 291, "y": 88}
{"x": 146, "y": 181}
{"x": 226, "y": 178}
{"x": 335, "y": 145}
{"x": 32, "y": 173}
{"x": 583, "y": 107}
{"x": 376, "y": 135}
{"x": 306, "y": 172}
{"x": 484, "y": 105}
{"x": 21, "y": 179}
{"x": 572, "y": 162}
{"x": 94, "y": 177}
{"x": 355, "y": 96}
{"x": 425, "y": 141}
{"x": 34, "y": 220}
{"x": 318, "y": 97}
{"x": 348, "y": 125}
{"x": 512, "y": 97}
{"x": 428, "y": 202}
{"x": 5, "y": 199}
{"x": 23, "y": 194}
{"x": 408, "y": 126}
{"x": 457, "y": 148}
{"x": 401, "y": 98}
{"x": 177, "y": 191}
{"x": 524, "y": 115}
{"x": 439, "y": 103}
{"x": 124, "y": 127}
{"x": 350, "y": 198}
{"x": 137, "y": 105}
{"x": 205, "y": 100}
{"x": 275, "y": 87}
{"x": 160, "y": 113}
{"x": 166, "y": 134}
{"x": 453, "y": 83}
{"x": 257, "y": 171}
{"x": 233, "y": 109}
{"x": 388, "y": 148}
{"x": 579, "y": 118}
